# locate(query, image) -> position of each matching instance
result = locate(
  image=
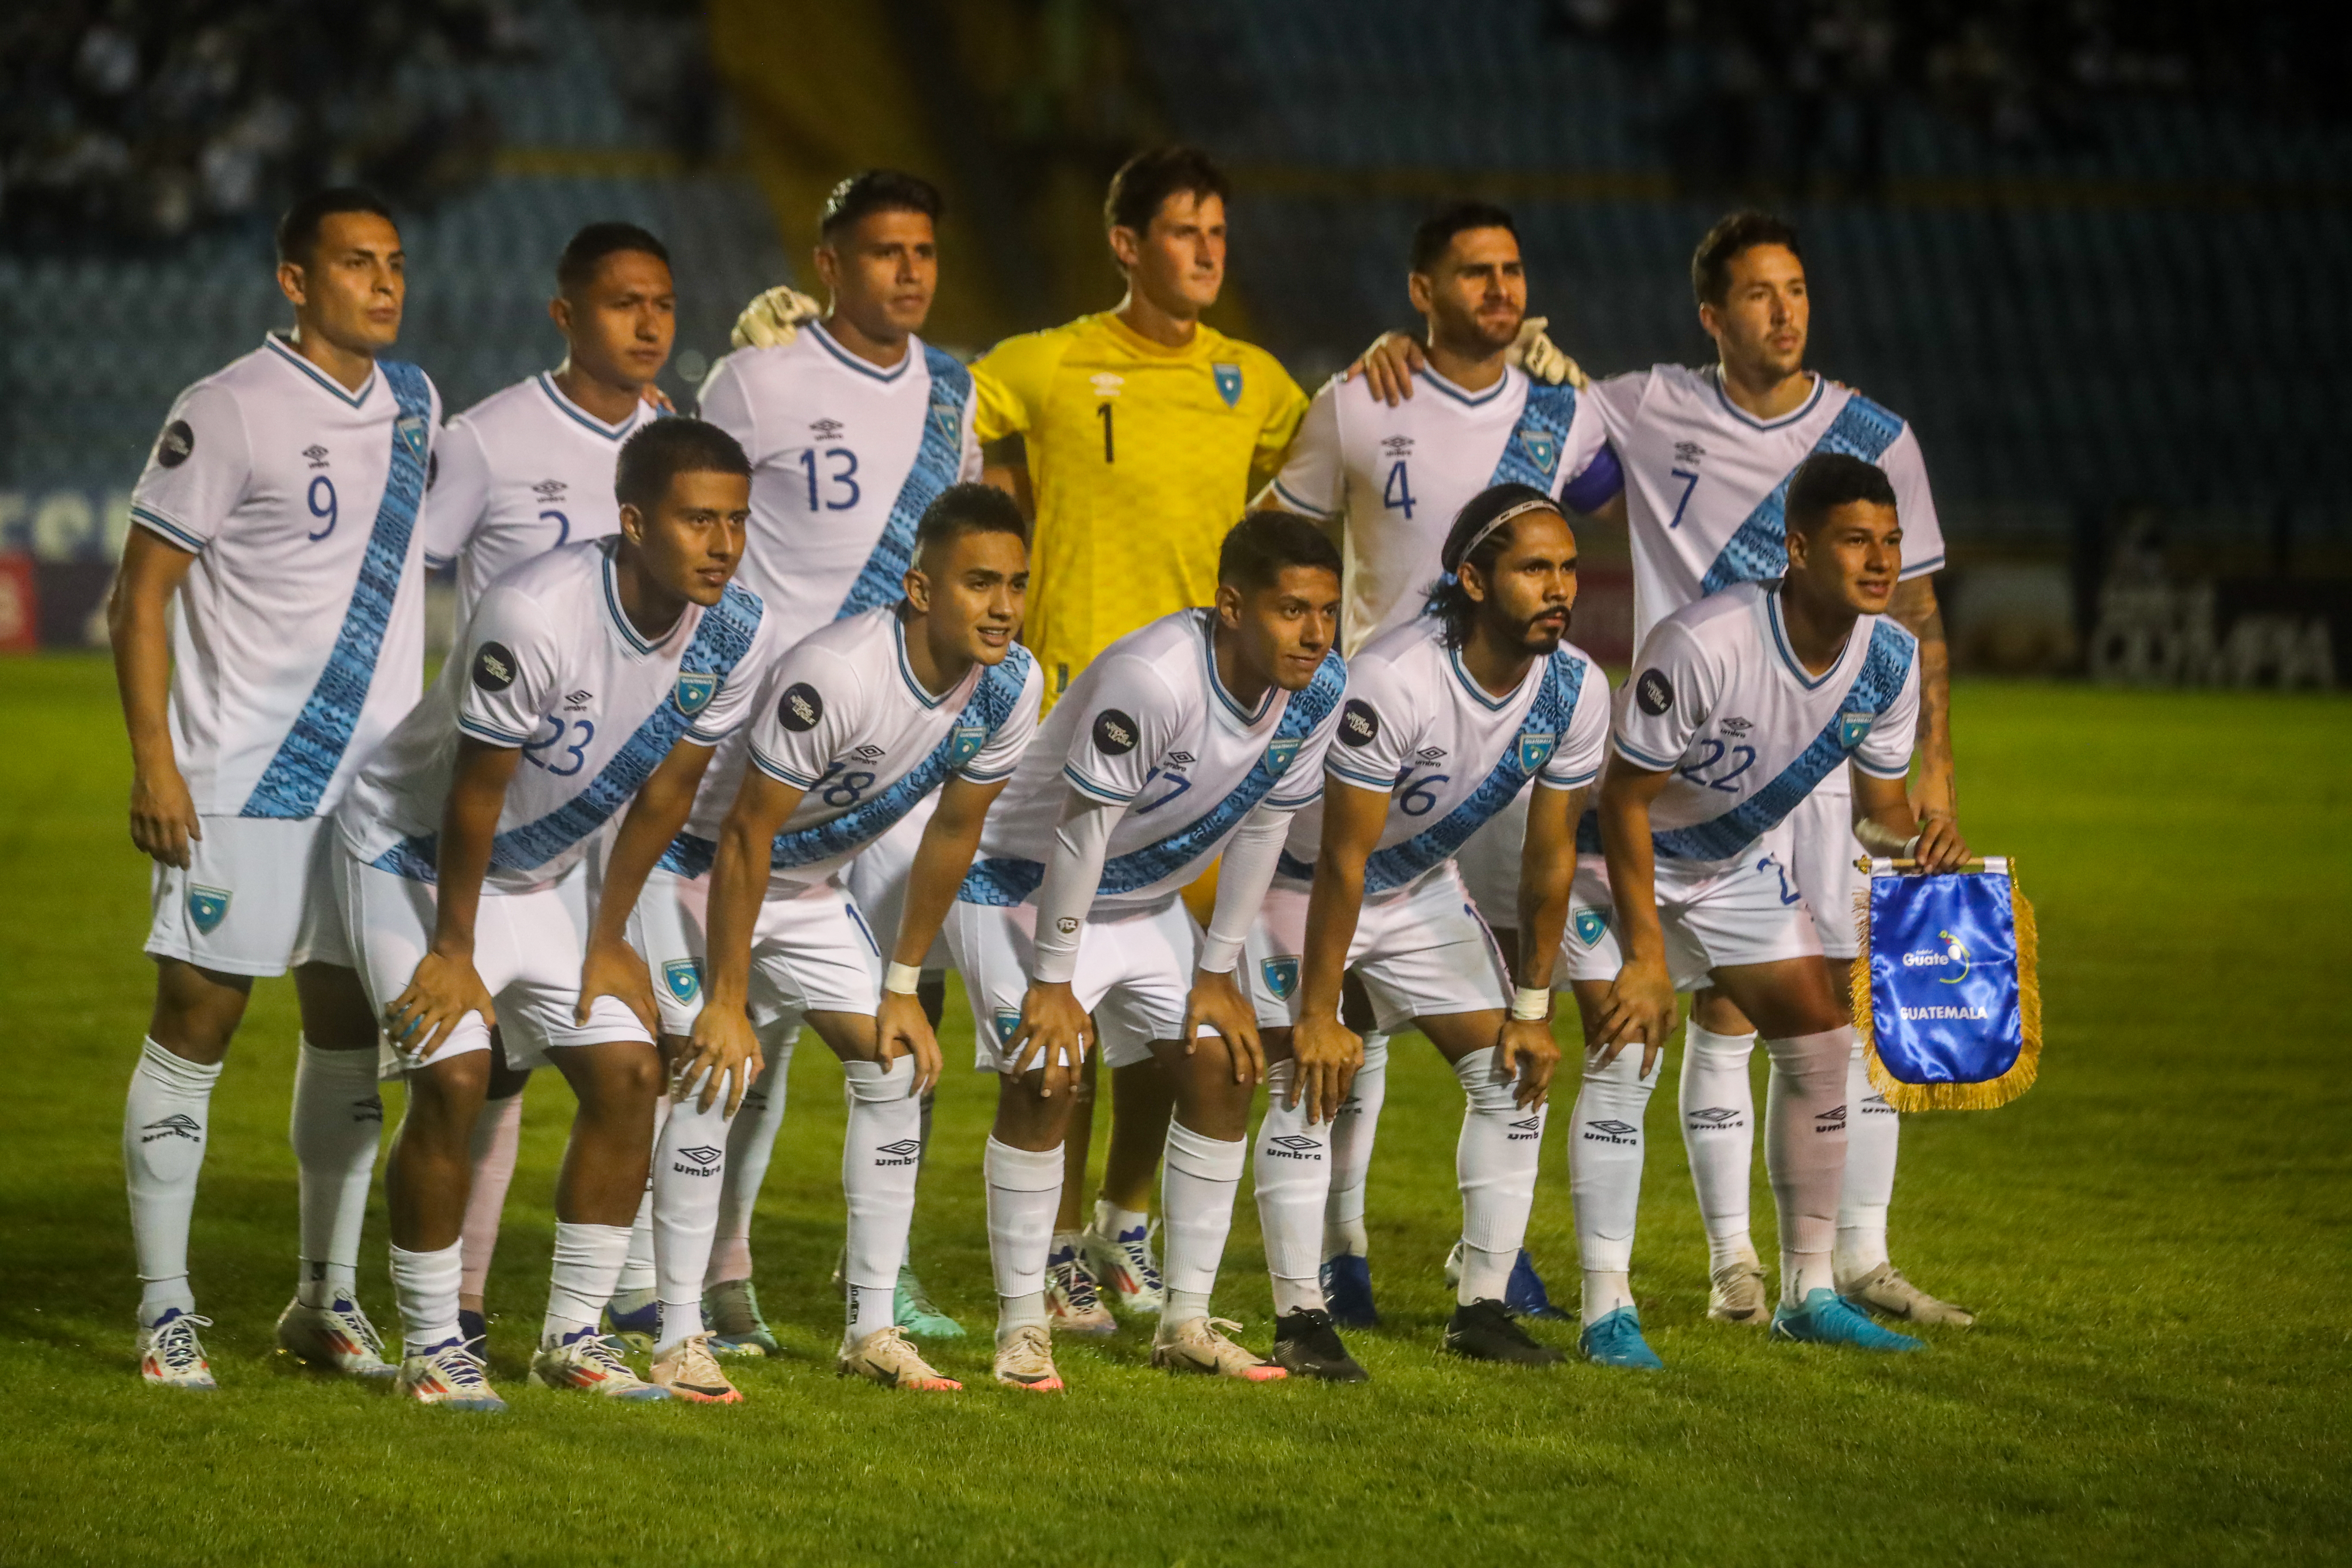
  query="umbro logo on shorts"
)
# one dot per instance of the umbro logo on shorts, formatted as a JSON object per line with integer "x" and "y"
{"x": 179, "y": 1124}
{"x": 1295, "y": 1147}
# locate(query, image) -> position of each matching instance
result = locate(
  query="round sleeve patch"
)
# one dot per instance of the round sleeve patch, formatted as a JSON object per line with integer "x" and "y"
{"x": 173, "y": 447}
{"x": 494, "y": 667}
{"x": 1115, "y": 733}
{"x": 800, "y": 707}
{"x": 1653, "y": 692}
{"x": 1359, "y": 725}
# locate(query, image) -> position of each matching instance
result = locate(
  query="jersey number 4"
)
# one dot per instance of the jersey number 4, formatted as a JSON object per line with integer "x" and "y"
{"x": 1396, "y": 495}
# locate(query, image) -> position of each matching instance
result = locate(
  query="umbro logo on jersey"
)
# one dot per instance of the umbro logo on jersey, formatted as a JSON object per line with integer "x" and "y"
{"x": 1180, "y": 759}
{"x": 494, "y": 667}
{"x": 579, "y": 699}
{"x": 684, "y": 978}
{"x": 207, "y": 907}
{"x": 1653, "y": 693}
{"x": 179, "y": 1124}
{"x": 1295, "y": 1147}
{"x": 173, "y": 447}
{"x": 1736, "y": 727}
{"x": 1115, "y": 733}
{"x": 903, "y": 1152}
{"x": 800, "y": 707}
{"x": 1714, "y": 1116}
{"x": 1228, "y": 378}
{"x": 1281, "y": 975}
{"x": 1397, "y": 446}
{"x": 549, "y": 489}
{"x": 1431, "y": 753}
{"x": 1359, "y": 725}
{"x": 317, "y": 454}
{"x": 694, "y": 693}
{"x": 868, "y": 753}
{"x": 826, "y": 429}
{"x": 1105, "y": 383}
{"x": 1589, "y": 925}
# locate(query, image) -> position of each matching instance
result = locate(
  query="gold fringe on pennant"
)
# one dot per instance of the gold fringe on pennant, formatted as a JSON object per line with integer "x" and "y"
{"x": 1993, "y": 1092}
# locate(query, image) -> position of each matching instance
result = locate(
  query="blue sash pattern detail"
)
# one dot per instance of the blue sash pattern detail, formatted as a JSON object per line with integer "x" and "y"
{"x": 1531, "y": 455}
{"x": 881, "y": 580}
{"x": 291, "y": 785}
{"x": 1759, "y": 551}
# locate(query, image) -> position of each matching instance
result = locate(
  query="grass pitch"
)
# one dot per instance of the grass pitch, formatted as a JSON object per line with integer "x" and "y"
{"x": 2156, "y": 1237}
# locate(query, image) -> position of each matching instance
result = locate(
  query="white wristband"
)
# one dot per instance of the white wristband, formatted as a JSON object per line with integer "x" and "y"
{"x": 902, "y": 978}
{"x": 1530, "y": 1002}
{"x": 1911, "y": 848}
{"x": 1219, "y": 954}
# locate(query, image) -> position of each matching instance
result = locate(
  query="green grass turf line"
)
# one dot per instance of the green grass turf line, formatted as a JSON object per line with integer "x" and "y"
{"x": 2155, "y": 1236}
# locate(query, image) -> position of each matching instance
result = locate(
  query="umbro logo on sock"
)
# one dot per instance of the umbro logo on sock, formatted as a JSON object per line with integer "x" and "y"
{"x": 368, "y": 1109}
{"x": 1520, "y": 1131}
{"x": 1295, "y": 1147}
{"x": 179, "y": 1124}
{"x": 705, "y": 1161}
{"x": 1612, "y": 1132}
{"x": 902, "y": 1152}
{"x": 1876, "y": 1106}
{"x": 1714, "y": 1116}
{"x": 1830, "y": 1120}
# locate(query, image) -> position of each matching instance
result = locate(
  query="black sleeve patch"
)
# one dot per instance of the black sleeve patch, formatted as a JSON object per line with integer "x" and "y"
{"x": 1115, "y": 733}
{"x": 173, "y": 447}
{"x": 1653, "y": 692}
{"x": 800, "y": 707}
{"x": 494, "y": 667}
{"x": 1359, "y": 725}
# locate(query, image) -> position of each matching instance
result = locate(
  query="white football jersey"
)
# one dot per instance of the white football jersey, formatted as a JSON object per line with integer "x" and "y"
{"x": 1149, "y": 726}
{"x": 1398, "y": 476}
{"x": 300, "y": 639}
{"x": 551, "y": 666}
{"x": 844, "y": 457}
{"x": 1417, "y": 727}
{"x": 842, "y": 718}
{"x": 518, "y": 474}
{"x": 1717, "y": 699}
{"x": 1706, "y": 483}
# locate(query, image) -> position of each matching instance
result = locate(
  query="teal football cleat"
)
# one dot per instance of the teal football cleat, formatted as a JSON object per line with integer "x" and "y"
{"x": 1828, "y": 1318}
{"x": 1616, "y": 1341}
{"x": 915, "y": 1312}
{"x": 730, "y": 1309}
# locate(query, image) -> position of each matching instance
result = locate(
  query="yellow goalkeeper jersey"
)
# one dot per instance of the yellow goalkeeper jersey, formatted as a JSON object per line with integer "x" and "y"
{"x": 1142, "y": 457}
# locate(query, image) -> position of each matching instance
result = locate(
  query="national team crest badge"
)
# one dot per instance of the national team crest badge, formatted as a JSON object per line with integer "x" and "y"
{"x": 1229, "y": 382}
{"x": 1535, "y": 747}
{"x": 964, "y": 742}
{"x": 409, "y": 431}
{"x": 1590, "y": 925}
{"x": 694, "y": 693}
{"x": 207, "y": 907}
{"x": 948, "y": 420}
{"x": 1279, "y": 752}
{"x": 684, "y": 978}
{"x": 1852, "y": 728}
{"x": 1542, "y": 450}
{"x": 1007, "y": 1022}
{"x": 1281, "y": 975}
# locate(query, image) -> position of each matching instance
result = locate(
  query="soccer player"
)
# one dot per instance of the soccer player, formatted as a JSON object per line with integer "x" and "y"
{"x": 1390, "y": 478}
{"x": 1196, "y": 736}
{"x": 862, "y": 720}
{"x": 1742, "y": 702}
{"x": 519, "y": 473}
{"x": 597, "y": 676}
{"x": 298, "y": 644}
{"x": 1449, "y": 716}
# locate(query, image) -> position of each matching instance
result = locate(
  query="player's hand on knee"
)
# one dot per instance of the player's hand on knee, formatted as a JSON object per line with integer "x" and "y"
{"x": 901, "y": 1029}
{"x": 1324, "y": 1055}
{"x": 722, "y": 1055}
{"x": 444, "y": 989}
{"x": 774, "y": 319}
{"x": 1054, "y": 1033}
{"x": 1524, "y": 1047}
{"x": 1216, "y": 1003}
{"x": 615, "y": 969}
{"x": 1940, "y": 846}
{"x": 1639, "y": 1008}
{"x": 164, "y": 817}
{"x": 1388, "y": 365}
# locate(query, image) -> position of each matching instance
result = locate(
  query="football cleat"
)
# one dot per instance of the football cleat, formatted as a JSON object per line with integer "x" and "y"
{"x": 1024, "y": 1359}
{"x": 913, "y": 1311}
{"x": 1485, "y": 1330}
{"x": 335, "y": 1338}
{"x": 1123, "y": 1265}
{"x": 732, "y": 1308}
{"x": 1828, "y": 1318}
{"x": 1071, "y": 1298}
{"x": 170, "y": 1354}
{"x": 447, "y": 1374}
{"x": 687, "y": 1371}
{"x": 885, "y": 1357}
{"x": 1735, "y": 1294}
{"x": 1616, "y": 1340}
{"x": 1348, "y": 1291}
{"x": 1884, "y": 1291}
{"x": 1304, "y": 1343}
{"x": 1199, "y": 1345}
{"x": 585, "y": 1362}
{"x": 1523, "y": 1292}
{"x": 474, "y": 1328}
{"x": 635, "y": 1326}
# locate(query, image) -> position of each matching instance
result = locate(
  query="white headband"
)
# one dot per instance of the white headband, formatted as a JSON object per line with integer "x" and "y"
{"x": 1501, "y": 518}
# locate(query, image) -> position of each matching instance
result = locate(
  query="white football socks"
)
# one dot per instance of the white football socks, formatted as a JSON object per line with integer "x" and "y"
{"x": 588, "y": 1260}
{"x": 1351, "y": 1135}
{"x": 750, "y": 1143}
{"x": 1718, "y": 1108}
{"x": 1293, "y": 1170}
{"x": 1197, "y": 1186}
{"x": 689, "y": 1163}
{"x": 640, "y": 1282}
{"x": 1114, "y": 1222}
{"x": 165, "y": 1121}
{"x": 425, "y": 1285}
{"x": 1495, "y": 1161}
{"x": 498, "y": 1138}
{"x": 337, "y": 1121}
{"x": 881, "y": 1151}
{"x": 1024, "y": 1189}
{"x": 1804, "y": 1150}
{"x": 1873, "y": 1132}
{"x": 1604, "y": 1171}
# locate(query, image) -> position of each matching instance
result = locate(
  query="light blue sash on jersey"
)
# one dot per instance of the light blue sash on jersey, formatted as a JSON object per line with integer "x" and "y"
{"x": 717, "y": 646}
{"x": 1531, "y": 455}
{"x": 1008, "y": 881}
{"x": 1759, "y": 551}
{"x": 990, "y": 704}
{"x": 290, "y": 786}
{"x": 882, "y": 580}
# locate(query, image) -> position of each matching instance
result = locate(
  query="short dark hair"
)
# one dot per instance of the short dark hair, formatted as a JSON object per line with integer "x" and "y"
{"x": 1438, "y": 230}
{"x": 667, "y": 448}
{"x": 1828, "y": 480}
{"x": 1147, "y": 180}
{"x": 1448, "y": 600}
{"x": 576, "y": 268}
{"x": 969, "y": 508}
{"x": 298, "y": 227}
{"x": 1739, "y": 232}
{"x": 1260, "y": 546}
{"x": 877, "y": 191}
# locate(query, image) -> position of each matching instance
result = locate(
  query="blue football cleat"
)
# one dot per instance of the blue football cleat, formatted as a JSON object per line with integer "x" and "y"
{"x": 1616, "y": 1341}
{"x": 1828, "y": 1318}
{"x": 474, "y": 1328}
{"x": 1526, "y": 1295}
{"x": 1348, "y": 1291}
{"x": 633, "y": 1328}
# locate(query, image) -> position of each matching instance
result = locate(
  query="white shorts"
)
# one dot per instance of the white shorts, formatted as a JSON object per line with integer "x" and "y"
{"x": 1422, "y": 954}
{"x": 1133, "y": 974}
{"x": 258, "y": 898}
{"x": 1489, "y": 863}
{"x": 1822, "y": 850}
{"x": 811, "y": 951}
{"x": 877, "y": 879}
{"x": 527, "y": 949}
{"x": 1751, "y": 913}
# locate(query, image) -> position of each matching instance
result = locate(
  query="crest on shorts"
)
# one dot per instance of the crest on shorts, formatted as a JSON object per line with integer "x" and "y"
{"x": 694, "y": 693}
{"x": 1591, "y": 924}
{"x": 1279, "y": 752}
{"x": 1535, "y": 747}
{"x": 964, "y": 742}
{"x": 207, "y": 907}
{"x": 1007, "y": 1022}
{"x": 1542, "y": 449}
{"x": 409, "y": 431}
{"x": 1229, "y": 382}
{"x": 684, "y": 978}
{"x": 1852, "y": 728}
{"x": 1281, "y": 975}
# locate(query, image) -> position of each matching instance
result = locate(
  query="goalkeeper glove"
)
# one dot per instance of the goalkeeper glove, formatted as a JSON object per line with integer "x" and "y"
{"x": 776, "y": 317}
{"x": 1537, "y": 355}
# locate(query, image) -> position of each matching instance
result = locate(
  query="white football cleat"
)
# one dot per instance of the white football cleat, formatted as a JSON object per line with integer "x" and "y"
{"x": 1123, "y": 1265}
{"x": 885, "y": 1357}
{"x": 170, "y": 1354}
{"x": 1072, "y": 1300}
{"x": 333, "y": 1338}
{"x": 1024, "y": 1359}
{"x": 448, "y": 1375}
{"x": 589, "y": 1364}
{"x": 689, "y": 1370}
{"x": 1199, "y": 1345}
{"x": 1735, "y": 1294}
{"x": 1884, "y": 1291}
